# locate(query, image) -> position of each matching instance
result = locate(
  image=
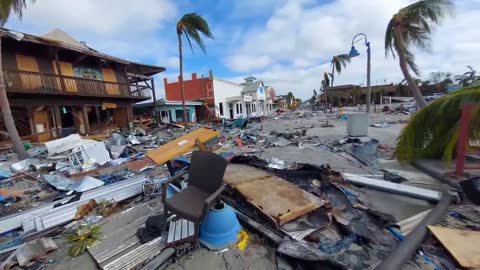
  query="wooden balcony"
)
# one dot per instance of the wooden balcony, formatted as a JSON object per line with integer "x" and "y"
{"x": 27, "y": 82}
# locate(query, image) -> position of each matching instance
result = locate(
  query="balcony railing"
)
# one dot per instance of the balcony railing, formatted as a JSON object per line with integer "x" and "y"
{"x": 20, "y": 81}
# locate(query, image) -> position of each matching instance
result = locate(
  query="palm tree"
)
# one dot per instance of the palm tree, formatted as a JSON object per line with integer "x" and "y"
{"x": 190, "y": 25}
{"x": 6, "y": 8}
{"x": 424, "y": 138}
{"x": 467, "y": 78}
{"x": 325, "y": 85}
{"x": 338, "y": 62}
{"x": 412, "y": 26}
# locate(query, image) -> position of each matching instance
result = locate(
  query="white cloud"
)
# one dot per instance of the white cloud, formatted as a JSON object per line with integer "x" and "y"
{"x": 117, "y": 27}
{"x": 172, "y": 62}
{"x": 301, "y": 37}
{"x": 247, "y": 62}
{"x": 106, "y": 17}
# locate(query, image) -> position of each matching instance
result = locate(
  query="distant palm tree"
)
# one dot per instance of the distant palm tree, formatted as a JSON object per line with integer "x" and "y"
{"x": 190, "y": 25}
{"x": 338, "y": 62}
{"x": 467, "y": 78}
{"x": 411, "y": 26}
{"x": 325, "y": 86}
{"x": 6, "y": 8}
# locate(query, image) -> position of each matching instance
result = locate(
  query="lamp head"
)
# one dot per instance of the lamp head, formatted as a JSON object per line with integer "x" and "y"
{"x": 353, "y": 52}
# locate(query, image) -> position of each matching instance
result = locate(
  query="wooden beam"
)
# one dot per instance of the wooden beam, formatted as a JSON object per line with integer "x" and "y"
{"x": 154, "y": 96}
{"x": 58, "y": 119}
{"x": 59, "y": 70}
{"x": 85, "y": 120}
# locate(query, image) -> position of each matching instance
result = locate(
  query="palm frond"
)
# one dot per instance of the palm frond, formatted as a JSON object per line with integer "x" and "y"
{"x": 390, "y": 38}
{"x": 424, "y": 138}
{"x": 414, "y": 23}
{"x": 188, "y": 39}
{"x": 410, "y": 58}
{"x": 7, "y": 6}
{"x": 340, "y": 61}
{"x": 326, "y": 78}
{"x": 192, "y": 25}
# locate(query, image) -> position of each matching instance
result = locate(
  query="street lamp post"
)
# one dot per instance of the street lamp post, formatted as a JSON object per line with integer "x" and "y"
{"x": 354, "y": 53}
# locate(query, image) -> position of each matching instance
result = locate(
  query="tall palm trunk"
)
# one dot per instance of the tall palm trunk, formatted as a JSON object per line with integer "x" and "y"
{"x": 7, "y": 115}
{"x": 182, "y": 87}
{"x": 399, "y": 43}
{"x": 331, "y": 85}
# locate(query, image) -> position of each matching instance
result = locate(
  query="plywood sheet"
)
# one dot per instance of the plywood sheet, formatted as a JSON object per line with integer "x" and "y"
{"x": 238, "y": 173}
{"x": 29, "y": 63}
{"x": 279, "y": 199}
{"x": 181, "y": 145}
{"x": 462, "y": 244}
{"x": 109, "y": 76}
{"x": 66, "y": 69}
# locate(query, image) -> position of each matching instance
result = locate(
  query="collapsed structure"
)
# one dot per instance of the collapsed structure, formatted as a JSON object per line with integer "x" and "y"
{"x": 58, "y": 86}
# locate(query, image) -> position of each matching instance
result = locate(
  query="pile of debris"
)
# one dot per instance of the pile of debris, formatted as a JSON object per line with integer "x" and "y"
{"x": 104, "y": 202}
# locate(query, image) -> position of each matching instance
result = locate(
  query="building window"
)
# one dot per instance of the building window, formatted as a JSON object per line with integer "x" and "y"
{"x": 236, "y": 107}
{"x": 220, "y": 105}
{"x": 254, "y": 107}
{"x": 241, "y": 108}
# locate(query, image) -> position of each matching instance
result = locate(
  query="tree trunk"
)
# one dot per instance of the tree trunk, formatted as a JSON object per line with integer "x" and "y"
{"x": 182, "y": 88}
{"x": 331, "y": 85}
{"x": 7, "y": 115}
{"x": 402, "y": 59}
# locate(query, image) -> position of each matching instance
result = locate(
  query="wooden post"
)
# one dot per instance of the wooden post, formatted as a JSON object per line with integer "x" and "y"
{"x": 155, "y": 109}
{"x": 59, "y": 71}
{"x": 463, "y": 138}
{"x": 86, "y": 125}
{"x": 97, "y": 113}
{"x": 58, "y": 119}
{"x": 30, "y": 120}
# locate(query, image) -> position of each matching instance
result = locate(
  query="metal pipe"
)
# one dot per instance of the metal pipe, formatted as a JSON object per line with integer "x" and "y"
{"x": 416, "y": 192}
{"x": 405, "y": 249}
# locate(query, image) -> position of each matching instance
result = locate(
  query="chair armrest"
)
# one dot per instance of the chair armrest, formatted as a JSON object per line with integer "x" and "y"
{"x": 170, "y": 180}
{"x": 208, "y": 201}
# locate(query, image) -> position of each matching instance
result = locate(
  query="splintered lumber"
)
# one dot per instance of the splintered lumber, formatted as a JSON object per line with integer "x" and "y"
{"x": 462, "y": 244}
{"x": 181, "y": 145}
{"x": 278, "y": 199}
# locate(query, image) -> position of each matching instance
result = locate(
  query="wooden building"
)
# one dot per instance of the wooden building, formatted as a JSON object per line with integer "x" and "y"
{"x": 57, "y": 86}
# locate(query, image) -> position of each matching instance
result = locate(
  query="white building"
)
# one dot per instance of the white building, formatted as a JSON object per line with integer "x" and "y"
{"x": 249, "y": 99}
{"x": 228, "y": 102}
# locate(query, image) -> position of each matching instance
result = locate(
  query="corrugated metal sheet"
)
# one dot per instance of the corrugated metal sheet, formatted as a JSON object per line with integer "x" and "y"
{"x": 116, "y": 192}
{"x": 136, "y": 256}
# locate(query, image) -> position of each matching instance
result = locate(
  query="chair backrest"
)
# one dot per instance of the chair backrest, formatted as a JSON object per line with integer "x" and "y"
{"x": 206, "y": 171}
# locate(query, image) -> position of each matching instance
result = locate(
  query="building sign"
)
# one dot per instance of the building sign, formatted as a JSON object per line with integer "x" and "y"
{"x": 247, "y": 98}
{"x": 88, "y": 73}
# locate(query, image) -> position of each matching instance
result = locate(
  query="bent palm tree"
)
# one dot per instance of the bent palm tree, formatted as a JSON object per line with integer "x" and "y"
{"x": 190, "y": 25}
{"x": 424, "y": 138}
{"x": 338, "y": 62}
{"x": 6, "y": 8}
{"x": 412, "y": 26}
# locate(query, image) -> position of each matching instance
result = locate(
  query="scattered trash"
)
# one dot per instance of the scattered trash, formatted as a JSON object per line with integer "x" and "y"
{"x": 243, "y": 236}
{"x": 64, "y": 183}
{"x": 34, "y": 249}
{"x": 381, "y": 125}
{"x": 104, "y": 192}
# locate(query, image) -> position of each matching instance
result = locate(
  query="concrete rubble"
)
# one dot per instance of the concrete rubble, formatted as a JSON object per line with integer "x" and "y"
{"x": 362, "y": 204}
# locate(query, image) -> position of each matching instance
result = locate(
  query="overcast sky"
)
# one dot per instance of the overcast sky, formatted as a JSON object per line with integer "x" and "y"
{"x": 286, "y": 43}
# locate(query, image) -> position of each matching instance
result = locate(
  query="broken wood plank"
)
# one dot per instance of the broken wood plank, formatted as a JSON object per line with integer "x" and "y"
{"x": 181, "y": 145}
{"x": 277, "y": 198}
{"x": 238, "y": 173}
{"x": 462, "y": 244}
